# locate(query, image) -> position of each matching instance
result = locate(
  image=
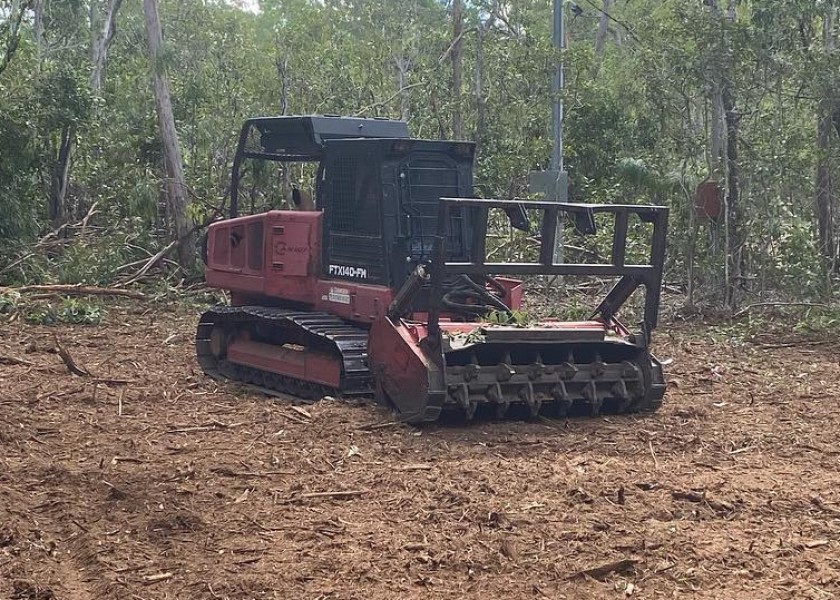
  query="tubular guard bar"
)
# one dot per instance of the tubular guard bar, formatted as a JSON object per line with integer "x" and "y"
{"x": 632, "y": 276}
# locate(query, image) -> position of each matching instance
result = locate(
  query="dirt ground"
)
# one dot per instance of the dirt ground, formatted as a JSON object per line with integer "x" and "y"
{"x": 168, "y": 485}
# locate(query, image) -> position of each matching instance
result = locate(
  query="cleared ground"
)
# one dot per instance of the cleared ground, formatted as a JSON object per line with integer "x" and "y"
{"x": 166, "y": 485}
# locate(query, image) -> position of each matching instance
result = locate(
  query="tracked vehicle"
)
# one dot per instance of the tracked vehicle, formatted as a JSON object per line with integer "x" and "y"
{"x": 386, "y": 288}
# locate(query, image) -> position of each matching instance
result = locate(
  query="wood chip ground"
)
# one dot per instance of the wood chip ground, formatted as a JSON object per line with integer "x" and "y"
{"x": 174, "y": 486}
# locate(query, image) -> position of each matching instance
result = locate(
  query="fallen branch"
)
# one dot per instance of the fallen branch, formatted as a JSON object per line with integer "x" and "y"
{"x": 225, "y": 472}
{"x": 55, "y": 235}
{"x": 149, "y": 264}
{"x": 375, "y": 426}
{"x": 689, "y": 496}
{"x": 820, "y": 503}
{"x": 156, "y": 578}
{"x": 335, "y": 494}
{"x": 15, "y": 263}
{"x": 747, "y": 309}
{"x": 191, "y": 429}
{"x": 295, "y": 419}
{"x": 68, "y": 360}
{"x": 13, "y": 360}
{"x": 161, "y": 254}
{"x": 819, "y": 449}
{"x": 795, "y": 344}
{"x": 602, "y": 571}
{"x": 301, "y": 411}
{"x": 211, "y": 426}
{"x": 692, "y": 496}
{"x": 134, "y": 263}
{"x": 75, "y": 290}
{"x": 416, "y": 467}
{"x": 131, "y": 459}
{"x": 107, "y": 381}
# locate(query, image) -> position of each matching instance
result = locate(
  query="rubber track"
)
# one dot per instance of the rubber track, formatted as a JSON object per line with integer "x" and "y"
{"x": 323, "y": 330}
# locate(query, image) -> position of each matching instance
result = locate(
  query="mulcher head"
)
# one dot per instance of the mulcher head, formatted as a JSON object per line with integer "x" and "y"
{"x": 553, "y": 368}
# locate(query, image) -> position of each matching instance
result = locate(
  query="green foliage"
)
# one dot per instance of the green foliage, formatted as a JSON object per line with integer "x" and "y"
{"x": 637, "y": 116}
{"x": 735, "y": 332}
{"x": 778, "y": 323}
{"x": 9, "y": 303}
{"x": 514, "y": 318}
{"x": 78, "y": 312}
{"x": 71, "y": 311}
{"x": 90, "y": 262}
{"x": 571, "y": 309}
{"x": 817, "y": 320}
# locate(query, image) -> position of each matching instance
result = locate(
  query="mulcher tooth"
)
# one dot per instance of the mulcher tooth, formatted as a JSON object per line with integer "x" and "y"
{"x": 598, "y": 367}
{"x": 463, "y": 397}
{"x": 630, "y": 371}
{"x": 494, "y": 394}
{"x": 526, "y": 394}
{"x": 567, "y": 370}
{"x": 469, "y": 411}
{"x": 471, "y": 371}
{"x": 561, "y": 396}
{"x": 505, "y": 370}
{"x": 590, "y": 393}
{"x": 536, "y": 369}
{"x": 619, "y": 390}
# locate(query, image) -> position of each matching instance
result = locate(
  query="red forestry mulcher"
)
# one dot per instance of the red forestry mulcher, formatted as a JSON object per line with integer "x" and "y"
{"x": 385, "y": 287}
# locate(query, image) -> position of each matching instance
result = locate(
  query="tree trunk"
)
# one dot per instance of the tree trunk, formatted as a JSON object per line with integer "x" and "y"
{"x": 717, "y": 133}
{"x": 176, "y": 184}
{"x": 102, "y": 34}
{"x": 457, "y": 22}
{"x": 825, "y": 228}
{"x": 282, "y": 65}
{"x": 732, "y": 216}
{"x": 722, "y": 83}
{"x": 38, "y": 28}
{"x": 14, "y": 19}
{"x": 824, "y": 197}
{"x": 480, "y": 100}
{"x": 58, "y": 210}
{"x": 60, "y": 178}
{"x": 402, "y": 64}
{"x": 603, "y": 22}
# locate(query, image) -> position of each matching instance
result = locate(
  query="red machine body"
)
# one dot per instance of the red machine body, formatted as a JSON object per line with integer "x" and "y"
{"x": 277, "y": 256}
{"x": 383, "y": 289}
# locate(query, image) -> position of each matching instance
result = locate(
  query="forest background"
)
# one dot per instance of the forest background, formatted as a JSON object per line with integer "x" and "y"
{"x": 119, "y": 120}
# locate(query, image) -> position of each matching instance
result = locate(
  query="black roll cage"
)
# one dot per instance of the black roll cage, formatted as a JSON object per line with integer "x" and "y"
{"x": 632, "y": 276}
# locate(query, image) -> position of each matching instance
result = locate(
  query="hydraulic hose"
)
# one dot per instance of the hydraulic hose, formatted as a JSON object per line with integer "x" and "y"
{"x": 464, "y": 288}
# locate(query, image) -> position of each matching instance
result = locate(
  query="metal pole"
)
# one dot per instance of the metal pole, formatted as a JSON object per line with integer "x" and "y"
{"x": 557, "y": 117}
{"x": 556, "y": 89}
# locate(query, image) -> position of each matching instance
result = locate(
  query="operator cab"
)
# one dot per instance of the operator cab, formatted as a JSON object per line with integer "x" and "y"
{"x": 379, "y": 190}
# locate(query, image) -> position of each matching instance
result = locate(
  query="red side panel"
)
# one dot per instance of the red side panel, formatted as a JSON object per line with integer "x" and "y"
{"x": 307, "y": 365}
{"x": 290, "y": 248}
{"x": 275, "y": 254}
{"x": 353, "y": 301}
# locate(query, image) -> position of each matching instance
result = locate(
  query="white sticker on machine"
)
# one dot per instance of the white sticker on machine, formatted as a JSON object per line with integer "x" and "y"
{"x": 339, "y": 295}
